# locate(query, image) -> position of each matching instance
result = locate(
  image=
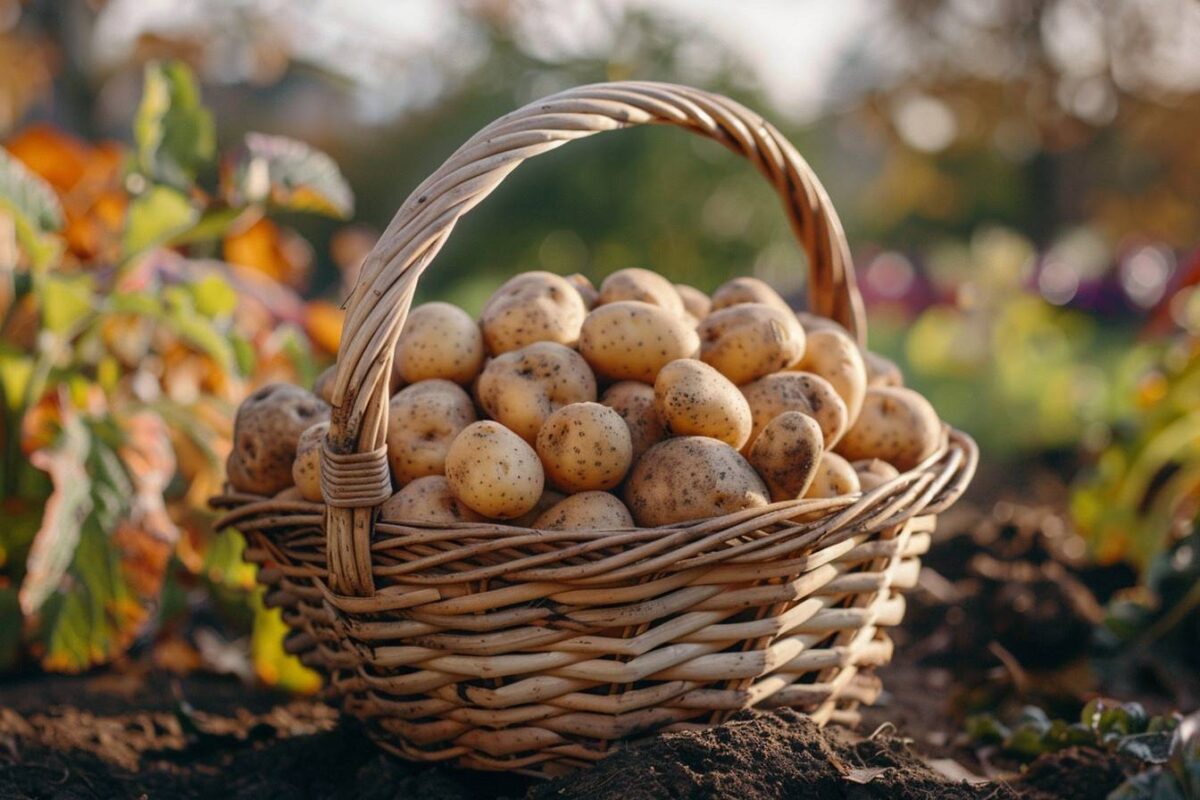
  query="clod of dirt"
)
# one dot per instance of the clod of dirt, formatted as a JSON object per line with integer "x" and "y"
{"x": 1077, "y": 773}
{"x": 759, "y": 756}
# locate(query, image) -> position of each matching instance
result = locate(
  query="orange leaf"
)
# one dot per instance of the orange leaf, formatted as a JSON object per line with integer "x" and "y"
{"x": 324, "y": 325}
{"x": 266, "y": 247}
{"x": 59, "y": 158}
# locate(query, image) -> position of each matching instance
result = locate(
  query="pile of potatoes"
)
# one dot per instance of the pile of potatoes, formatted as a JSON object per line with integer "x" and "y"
{"x": 640, "y": 402}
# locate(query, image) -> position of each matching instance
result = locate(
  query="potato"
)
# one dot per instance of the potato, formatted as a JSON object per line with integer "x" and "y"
{"x": 750, "y": 340}
{"x": 873, "y": 473}
{"x": 810, "y": 394}
{"x": 634, "y": 401}
{"x": 881, "y": 371}
{"x": 836, "y": 358}
{"x": 548, "y": 500}
{"x": 439, "y": 341}
{"x": 523, "y": 387}
{"x": 815, "y": 322}
{"x": 691, "y": 477}
{"x": 835, "y": 477}
{"x": 494, "y": 471}
{"x": 423, "y": 419}
{"x": 695, "y": 302}
{"x": 693, "y": 399}
{"x": 642, "y": 285}
{"x": 427, "y": 499}
{"x": 896, "y": 425}
{"x": 748, "y": 290}
{"x": 532, "y": 307}
{"x": 586, "y": 290}
{"x": 599, "y": 511}
{"x": 306, "y": 469}
{"x": 632, "y": 340}
{"x": 266, "y": 431}
{"x": 584, "y": 447}
{"x": 787, "y": 453}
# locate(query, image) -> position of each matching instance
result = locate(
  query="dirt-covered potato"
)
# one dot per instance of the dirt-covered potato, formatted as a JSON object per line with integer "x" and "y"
{"x": 427, "y": 499}
{"x": 749, "y": 340}
{"x": 599, "y": 511}
{"x": 494, "y": 471}
{"x": 632, "y": 340}
{"x": 634, "y": 401}
{"x": 835, "y": 357}
{"x": 881, "y": 371}
{"x": 873, "y": 473}
{"x": 691, "y": 477}
{"x": 695, "y": 302}
{"x": 810, "y": 394}
{"x": 585, "y": 447}
{"x": 265, "y": 434}
{"x": 523, "y": 387}
{"x": 532, "y": 307}
{"x": 642, "y": 285}
{"x": 439, "y": 341}
{"x": 747, "y": 290}
{"x": 586, "y": 290}
{"x": 306, "y": 469}
{"x": 835, "y": 477}
{"x": 423, "y": 419}
{"x": 693, "y": 399}
{"x": 896, "y": 425}
{"x": 787, "y": 453}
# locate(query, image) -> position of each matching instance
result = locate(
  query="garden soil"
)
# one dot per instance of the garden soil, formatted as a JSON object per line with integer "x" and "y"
{"x": 151, "y": 736}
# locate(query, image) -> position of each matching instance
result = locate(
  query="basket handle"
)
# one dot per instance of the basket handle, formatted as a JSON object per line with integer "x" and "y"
{"x": 354, "y": 470}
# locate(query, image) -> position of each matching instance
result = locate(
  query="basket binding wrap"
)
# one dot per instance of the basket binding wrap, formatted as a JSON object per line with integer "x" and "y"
{"x": 509, "y": 649}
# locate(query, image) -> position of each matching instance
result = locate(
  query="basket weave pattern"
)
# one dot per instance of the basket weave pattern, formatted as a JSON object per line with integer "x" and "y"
{"x": 504, "y": 648}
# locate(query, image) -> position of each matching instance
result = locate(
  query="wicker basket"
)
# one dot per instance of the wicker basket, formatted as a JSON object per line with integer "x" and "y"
{"x": 503, "y": 648}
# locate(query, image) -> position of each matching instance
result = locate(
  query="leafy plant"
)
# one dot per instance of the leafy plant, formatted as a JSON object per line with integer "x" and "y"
{"x": 1105, "y": 724}
{"x": 125, "y": 346}
{"x": 1178, "y": 779}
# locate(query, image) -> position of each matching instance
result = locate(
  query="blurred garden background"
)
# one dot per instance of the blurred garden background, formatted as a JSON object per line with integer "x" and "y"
{"x": 187, "y": 188}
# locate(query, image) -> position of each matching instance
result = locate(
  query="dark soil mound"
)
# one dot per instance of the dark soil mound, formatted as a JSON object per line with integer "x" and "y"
{"x": 762, "y": 756}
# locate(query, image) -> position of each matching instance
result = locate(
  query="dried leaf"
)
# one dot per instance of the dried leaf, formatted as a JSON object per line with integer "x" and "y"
{"x": 267, "y": 248}
{"x": 289, "y": 174}
{"x": 864, "y": 775}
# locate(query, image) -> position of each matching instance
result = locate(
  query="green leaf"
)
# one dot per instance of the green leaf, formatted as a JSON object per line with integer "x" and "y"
{"x": 33, "y": 208}
{"x": 65, "y": 300}
{"x": 16, "y": 368}
{"x": 213, "y": 296}
{"x": 155, "y": 216}
{"x": 174, "y": 133}
{"x": 288, "y": 174}
{"x": 68, "y": 506}
{"x": 182, "y": 316}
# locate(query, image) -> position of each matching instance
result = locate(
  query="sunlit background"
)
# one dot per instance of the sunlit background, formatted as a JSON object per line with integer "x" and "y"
{"x": 1019, "y": 180}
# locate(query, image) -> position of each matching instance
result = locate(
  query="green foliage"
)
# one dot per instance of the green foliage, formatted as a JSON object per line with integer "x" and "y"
{"x": 1179, "y": 778}
{"x": 287, "y": 174}
{"x": 33, "y": 208}
{"x": 1144, "y": 484}
{"x": 1123, "y": 727}
{"x": 120, "y": 367}
{"x": 174, "y": 133}
{"x": 155, "y": 216}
